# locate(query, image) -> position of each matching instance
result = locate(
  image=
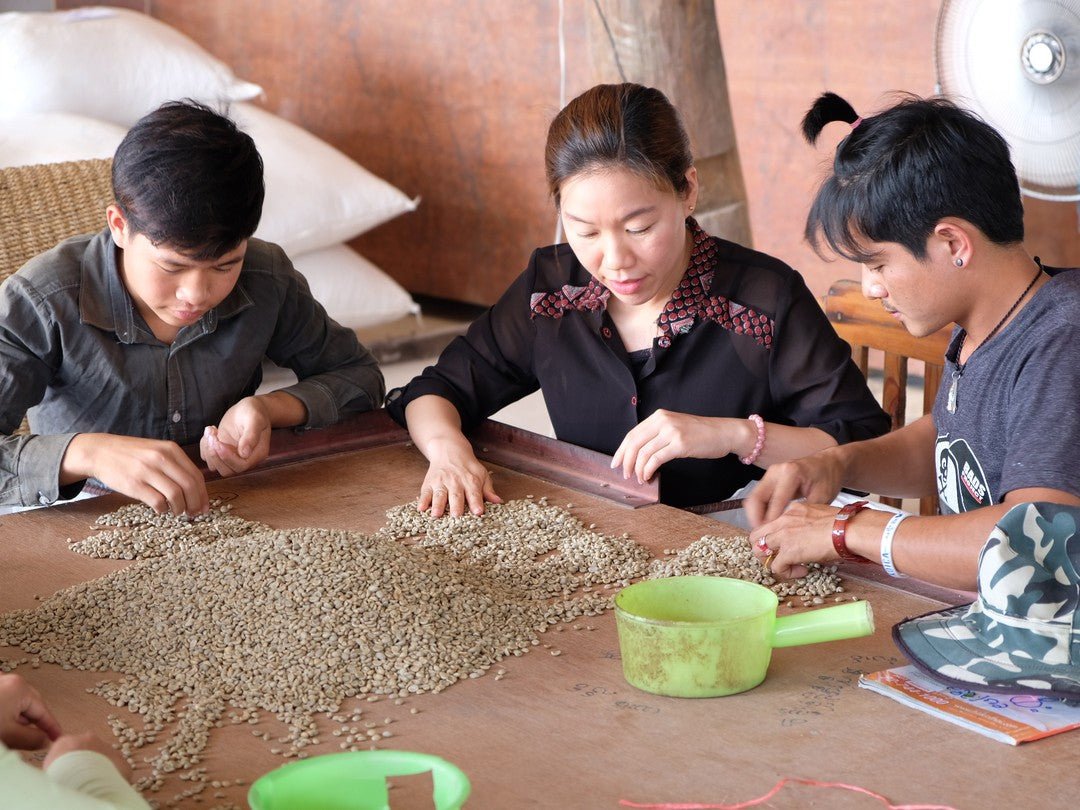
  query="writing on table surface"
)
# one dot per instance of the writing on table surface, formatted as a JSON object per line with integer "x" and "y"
{"x": 591, "y": 690}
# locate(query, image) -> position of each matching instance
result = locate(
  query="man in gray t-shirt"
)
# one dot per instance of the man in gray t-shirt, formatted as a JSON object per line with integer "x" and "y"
{"x": 924, "y": 196}
{"x": 1015, "y": 423}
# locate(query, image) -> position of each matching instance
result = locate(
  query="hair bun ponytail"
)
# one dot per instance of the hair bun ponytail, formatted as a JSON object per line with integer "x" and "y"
{"x": 827, "y": 108}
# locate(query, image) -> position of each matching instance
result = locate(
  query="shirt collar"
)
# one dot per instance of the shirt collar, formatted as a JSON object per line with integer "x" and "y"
{"x": 593, "y": 296}
{"x": 691, "y": 301}
{"x": 104, "y": 301}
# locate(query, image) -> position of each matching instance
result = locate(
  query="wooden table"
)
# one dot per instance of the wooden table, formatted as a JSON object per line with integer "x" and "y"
{"x": 567, "y": 731}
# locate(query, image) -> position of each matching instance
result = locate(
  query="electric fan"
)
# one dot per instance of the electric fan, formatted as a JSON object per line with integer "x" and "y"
{"x": 1016, "y": 63}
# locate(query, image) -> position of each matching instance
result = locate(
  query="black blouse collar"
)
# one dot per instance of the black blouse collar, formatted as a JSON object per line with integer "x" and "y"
{"x": 690, "y": 303}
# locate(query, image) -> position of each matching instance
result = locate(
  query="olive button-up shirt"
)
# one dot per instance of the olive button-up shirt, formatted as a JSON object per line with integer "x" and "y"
{"x": 77, "y": 355}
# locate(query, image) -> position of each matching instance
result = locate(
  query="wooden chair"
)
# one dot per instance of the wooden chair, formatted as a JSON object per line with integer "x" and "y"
{"x": 42, "y": 205}
{"x": 866, "y": 325}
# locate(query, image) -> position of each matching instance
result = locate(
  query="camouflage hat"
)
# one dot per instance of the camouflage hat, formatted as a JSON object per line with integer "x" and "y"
{"x": 1023, "y": 632}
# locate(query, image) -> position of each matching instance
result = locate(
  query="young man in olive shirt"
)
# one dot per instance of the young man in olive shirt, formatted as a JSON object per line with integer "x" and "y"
{"x": 149, "y": 335}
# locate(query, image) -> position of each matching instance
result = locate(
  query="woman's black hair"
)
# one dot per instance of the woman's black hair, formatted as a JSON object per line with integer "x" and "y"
{"x": 900, "y": 172}
{"x": 619, "y": 125}
{"x": 187, "y": 177}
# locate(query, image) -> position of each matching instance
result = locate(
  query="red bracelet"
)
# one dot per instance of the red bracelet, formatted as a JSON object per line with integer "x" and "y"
{"x": 839, "y": 531}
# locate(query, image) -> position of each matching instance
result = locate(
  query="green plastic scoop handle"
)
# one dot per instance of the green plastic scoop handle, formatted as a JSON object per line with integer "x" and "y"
{"x": 850, "y": 620}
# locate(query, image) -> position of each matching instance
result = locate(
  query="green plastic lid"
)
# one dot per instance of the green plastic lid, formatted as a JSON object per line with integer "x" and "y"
{"x": 354, "y": 780}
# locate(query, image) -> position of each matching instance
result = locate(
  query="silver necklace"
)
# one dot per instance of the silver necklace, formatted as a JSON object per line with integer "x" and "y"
{"x": 958, "y": 372}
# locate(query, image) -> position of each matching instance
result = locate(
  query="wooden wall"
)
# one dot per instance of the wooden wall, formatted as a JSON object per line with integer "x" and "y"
{"x": 780, "y": 56}
{"x": 450, "y": 100}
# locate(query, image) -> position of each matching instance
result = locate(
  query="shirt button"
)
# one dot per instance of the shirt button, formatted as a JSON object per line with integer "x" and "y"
{"x": 176, "y": 416}
{"x": 605, "y": 332}
{"x": 633, "y": 400}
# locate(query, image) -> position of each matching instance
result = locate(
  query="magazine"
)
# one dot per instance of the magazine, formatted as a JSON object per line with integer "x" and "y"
{"x": 1008, "y": 718}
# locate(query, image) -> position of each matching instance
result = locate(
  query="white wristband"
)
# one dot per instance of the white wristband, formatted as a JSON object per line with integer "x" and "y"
{"x": 886, "y": 545}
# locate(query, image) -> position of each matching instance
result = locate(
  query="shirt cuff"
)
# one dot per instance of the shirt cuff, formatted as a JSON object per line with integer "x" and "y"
{"x": 322, "y": 407}
{"x": 38, "y": 468}
{"x": 92, "y": 774}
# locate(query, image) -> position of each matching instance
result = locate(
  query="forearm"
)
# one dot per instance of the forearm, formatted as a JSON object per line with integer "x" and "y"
{"x": 283, "y": 409}
{"x": 83, "y": 781}
{"x": 433, "y": 420}
{"x": 783, "y": 443}
{"x": 330, "y": 396}
{"x": 942, "y": 549}
{"x": 95, "y": 780}
{"x": 899, "y": 464}
{"x": 79, "y": 459}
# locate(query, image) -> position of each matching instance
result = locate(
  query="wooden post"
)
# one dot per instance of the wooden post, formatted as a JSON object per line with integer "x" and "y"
{"x": 674, "y": 45}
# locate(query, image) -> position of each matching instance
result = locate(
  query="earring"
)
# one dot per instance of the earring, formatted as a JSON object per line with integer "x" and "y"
{"x": 959, "y": 262}
{"x": 691, "y": 209}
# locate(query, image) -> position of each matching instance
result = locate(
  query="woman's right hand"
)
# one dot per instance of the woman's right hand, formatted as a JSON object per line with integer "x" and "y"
{"x": 455, "y": 479}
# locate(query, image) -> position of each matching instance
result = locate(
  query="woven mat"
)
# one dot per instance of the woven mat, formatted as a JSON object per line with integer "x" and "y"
{"x": 42, "y": 205}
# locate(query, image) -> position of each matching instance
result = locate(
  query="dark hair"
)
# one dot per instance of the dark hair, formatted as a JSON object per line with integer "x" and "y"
{"x": 186, "y": 177}
{"x": 899, "y": 172}
{"x": 619, "y": 125}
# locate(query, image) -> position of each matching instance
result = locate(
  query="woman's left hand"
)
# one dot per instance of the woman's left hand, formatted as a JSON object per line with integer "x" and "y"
{"x": 666, "y": 435}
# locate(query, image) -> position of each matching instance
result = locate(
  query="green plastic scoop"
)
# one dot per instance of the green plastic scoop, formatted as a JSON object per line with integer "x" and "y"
{"x": 354, "y": 780}
{"x": 709, "y": 636}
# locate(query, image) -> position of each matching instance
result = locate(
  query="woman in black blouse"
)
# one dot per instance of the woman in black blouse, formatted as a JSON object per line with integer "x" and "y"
{"x": 652, "y": 341}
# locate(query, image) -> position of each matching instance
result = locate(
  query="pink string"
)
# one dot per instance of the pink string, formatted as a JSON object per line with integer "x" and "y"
{"x": 777, "y": 788}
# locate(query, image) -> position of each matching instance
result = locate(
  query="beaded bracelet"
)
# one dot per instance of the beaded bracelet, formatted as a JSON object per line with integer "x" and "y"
{"x": 759, "y": 444}
{"x": 839, "y": 531}
{"x": 886, "y": 545}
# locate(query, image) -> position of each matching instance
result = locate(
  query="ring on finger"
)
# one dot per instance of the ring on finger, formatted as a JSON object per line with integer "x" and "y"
{"x": 767, "y": 562}
{"x": 763, "y": 544}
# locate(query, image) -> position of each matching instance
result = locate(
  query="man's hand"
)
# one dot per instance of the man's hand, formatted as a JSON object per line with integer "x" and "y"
{"x": 240, "y": 441}
{"x": 25, "y": 721}
{"x": 158, "y": 473}
{"x": 802, "y": 534}
{"x": 815, "y": 478}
